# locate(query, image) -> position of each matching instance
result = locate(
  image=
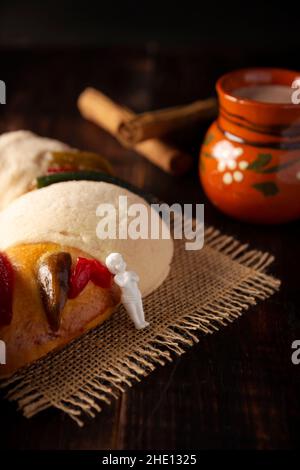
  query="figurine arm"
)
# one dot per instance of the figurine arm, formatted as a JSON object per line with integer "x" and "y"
{"x": 120, "y": 280}
{"x": 134, "y": 276}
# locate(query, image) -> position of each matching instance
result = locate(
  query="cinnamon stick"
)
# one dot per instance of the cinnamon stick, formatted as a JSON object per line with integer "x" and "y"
{"x": 98, "y": 108}
{"x": 162, "y": 122}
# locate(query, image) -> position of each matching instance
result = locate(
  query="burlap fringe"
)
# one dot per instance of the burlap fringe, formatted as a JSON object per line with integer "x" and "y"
{"x": 101, "y": 389}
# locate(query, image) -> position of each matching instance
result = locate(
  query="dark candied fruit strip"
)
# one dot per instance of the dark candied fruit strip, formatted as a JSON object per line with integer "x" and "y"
{"x": 6, "y": 290}
{"x": 53, "y": 278}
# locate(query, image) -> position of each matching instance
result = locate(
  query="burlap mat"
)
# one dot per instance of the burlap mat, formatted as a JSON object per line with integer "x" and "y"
{"x": 205, "y": 290}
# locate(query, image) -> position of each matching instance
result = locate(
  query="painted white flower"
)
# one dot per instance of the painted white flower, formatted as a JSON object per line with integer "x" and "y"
{"x": 227, "y": 156}
{"x": 236, "y": 176}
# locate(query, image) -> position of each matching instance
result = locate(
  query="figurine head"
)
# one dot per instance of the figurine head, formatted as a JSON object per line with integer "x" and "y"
{"x": 115, "y": 263}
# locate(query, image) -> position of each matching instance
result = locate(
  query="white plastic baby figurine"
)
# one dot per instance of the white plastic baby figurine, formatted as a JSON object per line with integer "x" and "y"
{"x": 131, "y": 296}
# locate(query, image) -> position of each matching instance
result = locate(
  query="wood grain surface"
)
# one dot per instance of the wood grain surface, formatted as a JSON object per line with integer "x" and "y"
{"x": 237, "y": 388}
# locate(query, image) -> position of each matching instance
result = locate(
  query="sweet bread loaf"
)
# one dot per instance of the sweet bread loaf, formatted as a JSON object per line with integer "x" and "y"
{"x": 54, "y": 284}
{"x": 25, "y": 156}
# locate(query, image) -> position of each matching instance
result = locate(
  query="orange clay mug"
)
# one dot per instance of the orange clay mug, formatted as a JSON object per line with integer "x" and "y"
{"x": 250, "y": 158}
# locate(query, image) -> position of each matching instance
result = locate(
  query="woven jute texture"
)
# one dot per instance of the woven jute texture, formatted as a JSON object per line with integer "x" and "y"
{"x": 205, "y": 290}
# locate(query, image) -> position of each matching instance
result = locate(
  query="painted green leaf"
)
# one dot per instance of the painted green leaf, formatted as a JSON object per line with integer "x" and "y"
{"x": 262, "y": 160}
{"x": 268, "y": 188}
{"x": 208, "y": 138}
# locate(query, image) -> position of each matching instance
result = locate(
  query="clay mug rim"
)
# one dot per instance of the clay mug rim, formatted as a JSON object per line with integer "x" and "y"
{"x": 233, "y": 80}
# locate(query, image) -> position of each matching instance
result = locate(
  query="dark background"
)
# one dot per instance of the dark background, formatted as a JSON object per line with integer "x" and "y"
{"x": 237, "y": 388}
{"x": 254, "y": 24}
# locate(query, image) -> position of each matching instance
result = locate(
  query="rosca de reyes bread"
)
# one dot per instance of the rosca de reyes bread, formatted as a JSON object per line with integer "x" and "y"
{"x": 54, "y": 284}
{"x": 25, "y": 156}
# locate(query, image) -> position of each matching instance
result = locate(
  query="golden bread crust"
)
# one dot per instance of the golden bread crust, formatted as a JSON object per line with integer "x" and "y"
{"x": 29, "y": 336}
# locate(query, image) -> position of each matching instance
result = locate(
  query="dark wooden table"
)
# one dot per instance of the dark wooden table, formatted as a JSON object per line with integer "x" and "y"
{"x": 237, "y": 388}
